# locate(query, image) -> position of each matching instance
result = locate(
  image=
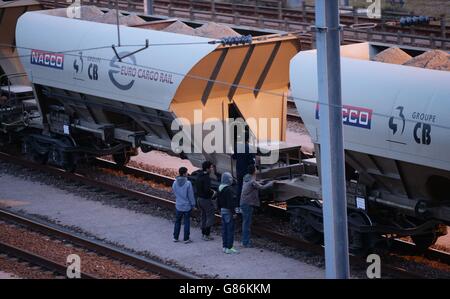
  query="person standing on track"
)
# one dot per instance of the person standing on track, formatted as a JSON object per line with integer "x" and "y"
{"x": 185, "y": 202}
{"x": 204, "y": 197}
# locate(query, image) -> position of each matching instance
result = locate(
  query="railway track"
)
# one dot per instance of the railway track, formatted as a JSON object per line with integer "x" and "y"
{"x": 136, "y": 172}
{"x": 38, "y": 260}
{"x": 406, "y": 247}
{"x": 260, "y": 230}
{"x": 91, "y": 245}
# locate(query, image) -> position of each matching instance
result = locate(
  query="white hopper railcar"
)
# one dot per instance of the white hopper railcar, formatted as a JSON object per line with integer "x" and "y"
{"x": 95, "y": 103}
{"x": 396, "y": 139}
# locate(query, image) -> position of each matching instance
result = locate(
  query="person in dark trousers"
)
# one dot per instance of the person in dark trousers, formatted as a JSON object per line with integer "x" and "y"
{"x": 250, "y": 200}
{"x": 185, "y": 202}
{"x": 244, "y": 158}
{"x": 227, "y": 203}
{"x": 204, "y": 197}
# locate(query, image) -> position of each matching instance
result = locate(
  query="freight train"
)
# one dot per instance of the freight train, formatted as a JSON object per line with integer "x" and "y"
{"x": 94, "y": 91}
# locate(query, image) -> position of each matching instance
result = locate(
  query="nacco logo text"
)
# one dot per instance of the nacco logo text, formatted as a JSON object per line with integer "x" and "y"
{"x": 48, "y": 59}
{"x": 354, "y": 116}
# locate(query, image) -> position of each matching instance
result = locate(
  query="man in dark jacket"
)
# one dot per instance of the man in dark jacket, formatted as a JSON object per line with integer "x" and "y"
{"x": 227, "y": 204}
{"x": 184, "y": 203}
{"x": 204, "y": 196}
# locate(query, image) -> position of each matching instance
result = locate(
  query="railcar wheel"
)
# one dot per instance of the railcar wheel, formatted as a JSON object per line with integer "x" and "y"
{"x": 359, "y": 242}
{"x": 424, "y": 241}
{"x": 33, "y": 155}
{"x": 69, "y": 165}
{"x": 62, "y": 159}
{"x": 121, "y": 158}
{"x": 301, "y": 225}
{"x": 38, "y": 158}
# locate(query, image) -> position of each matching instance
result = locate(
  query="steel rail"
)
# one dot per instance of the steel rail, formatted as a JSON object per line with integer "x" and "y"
{"x": 140, "y": 173}
{"x": 38, "y": 260}
{"x": 96, "y": 246}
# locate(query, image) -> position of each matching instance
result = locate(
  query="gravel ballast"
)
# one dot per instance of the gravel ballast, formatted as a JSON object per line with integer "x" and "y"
{"x": 12, "y": 268}
{"x": 58, "y": 251}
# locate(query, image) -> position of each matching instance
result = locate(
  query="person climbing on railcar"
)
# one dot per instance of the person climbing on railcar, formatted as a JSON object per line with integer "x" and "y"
{"x": 227, "y": 203}
{"x": 184, "y": 203}
{"x": 244, "y": 158}
{"x": 204, "y": 197}
{"x": 249, "y": 200}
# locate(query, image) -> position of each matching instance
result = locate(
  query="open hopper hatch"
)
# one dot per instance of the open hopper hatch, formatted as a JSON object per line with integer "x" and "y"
{"x": 250, "y": 79}
{"x": 9, "y": 65}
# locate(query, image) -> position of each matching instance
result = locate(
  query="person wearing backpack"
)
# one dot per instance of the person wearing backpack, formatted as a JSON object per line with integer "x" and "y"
{"x": 227, "y": 203}
{"x": 205, "y": 199}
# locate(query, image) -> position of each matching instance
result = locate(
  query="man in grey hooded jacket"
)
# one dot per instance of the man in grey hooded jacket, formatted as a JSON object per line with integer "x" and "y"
{"x": 250, "y": 200}
{"x": 185, "y": 202}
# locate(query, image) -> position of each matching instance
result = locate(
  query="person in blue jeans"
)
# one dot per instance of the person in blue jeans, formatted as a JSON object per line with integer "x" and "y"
{"x": 185, "y": 202}
{"x": 227, "y": 203}
{"x": 250, "y": 200}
